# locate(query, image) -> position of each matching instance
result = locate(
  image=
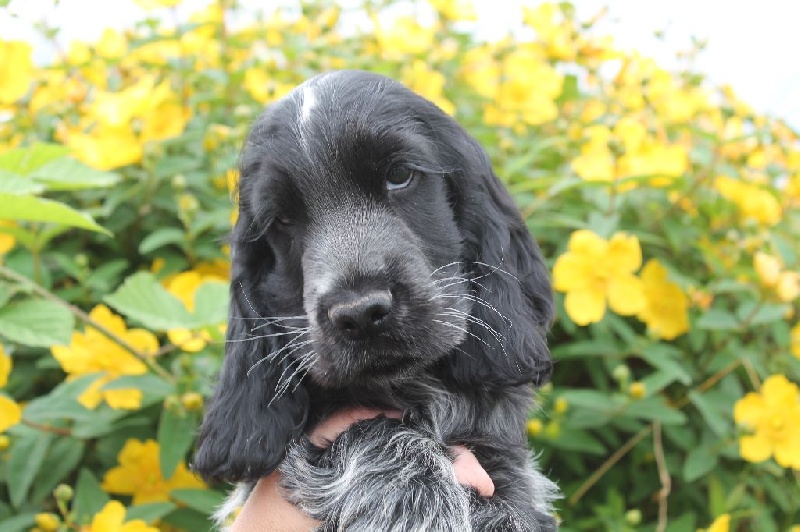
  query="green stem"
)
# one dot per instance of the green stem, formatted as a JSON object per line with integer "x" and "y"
{"x": 88, "y": 320}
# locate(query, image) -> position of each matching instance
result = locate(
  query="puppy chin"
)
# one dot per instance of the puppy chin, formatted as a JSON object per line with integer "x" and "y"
{"x": 353, "y": 367}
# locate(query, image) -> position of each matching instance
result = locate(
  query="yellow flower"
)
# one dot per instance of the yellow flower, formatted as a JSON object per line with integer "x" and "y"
{"x": 595, "y": 163}
{"x": 139, "y": 474}
{"x": 112, "y": 44}
{"x": 155, "y": 4}
{"x": 795, "y": 342}
{"x": 528, "y": 92}
{"x": 184, "y": 286}
{"x": 16, "y": 70}
{"x": 637, "y": 390}
{"x": 555, "y": 34}
{"x": 405, "y": 36}
{"x": 720, "y": 524}
{"x": 10, "y": 413}
{"x": 117, "y": 109}
{"x": 93, "y": 352}
{"x": 752, "y": 201}
{"x": 47, "y": 521}
{"x": 773, "y": 416}
{"x": 768, "y": 267}
{"x": 5, "y": 367}
{"x": 262, "y": 87}
{"x": 535, "y": 427}
{"x": 594, "y": 271}
{"x": 788, "y": 286}
{"x": 165, "y": 121}
{"x": 455, "y": 9}
{"x": 106, "y": 148}
{"x": 112, "y": 519}
{"x": 666, "y": 310}
{"x": 429, "y": 84}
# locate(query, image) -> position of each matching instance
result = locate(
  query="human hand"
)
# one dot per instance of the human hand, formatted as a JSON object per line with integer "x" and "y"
{"x": 267, "y": 511}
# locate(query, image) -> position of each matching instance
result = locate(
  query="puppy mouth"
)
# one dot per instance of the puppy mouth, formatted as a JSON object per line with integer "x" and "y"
{"x": 338, "y": 371}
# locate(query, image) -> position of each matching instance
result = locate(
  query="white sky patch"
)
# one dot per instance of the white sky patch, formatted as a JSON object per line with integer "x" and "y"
{"x": 750, "y": 44}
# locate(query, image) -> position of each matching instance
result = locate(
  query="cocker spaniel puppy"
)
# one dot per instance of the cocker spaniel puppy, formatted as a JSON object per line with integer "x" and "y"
{"x": 378, "y": 261}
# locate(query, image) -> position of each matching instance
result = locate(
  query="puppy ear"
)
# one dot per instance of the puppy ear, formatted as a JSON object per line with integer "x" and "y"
{"x": 511, "y": 284}
{"x": 254, "y": 413}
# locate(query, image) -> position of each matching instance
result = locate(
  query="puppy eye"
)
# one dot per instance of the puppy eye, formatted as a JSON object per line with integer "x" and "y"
{"x": 283, "y": 221}
{"x": 399, "y": 177}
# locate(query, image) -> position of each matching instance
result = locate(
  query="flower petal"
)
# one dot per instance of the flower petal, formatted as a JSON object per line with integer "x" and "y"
{"x": 624, "y": 253}
{"x": 626, "y": 295}
{"x": 749, "y": 410}
{"x": 10, "y": 413}
{"x": 585, "y": 306}
{"x": 570, "y": 272}
{"x": 128, "y": 399}
{"x": 586, "y": 242}
{"x": 756, "y": 448}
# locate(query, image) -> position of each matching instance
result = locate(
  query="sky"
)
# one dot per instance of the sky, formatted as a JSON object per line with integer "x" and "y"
{"x": 752, "y": 46}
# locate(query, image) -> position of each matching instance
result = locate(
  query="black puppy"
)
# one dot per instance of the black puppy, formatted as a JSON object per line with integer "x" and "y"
{"x": 378, "y": 261}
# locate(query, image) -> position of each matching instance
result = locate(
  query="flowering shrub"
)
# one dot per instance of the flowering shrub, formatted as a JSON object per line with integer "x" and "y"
{"x": 669, "y": 211}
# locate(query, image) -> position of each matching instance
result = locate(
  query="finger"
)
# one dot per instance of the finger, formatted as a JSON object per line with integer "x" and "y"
{"x": 325, "y": 432}
{"x": 469, "y": 472}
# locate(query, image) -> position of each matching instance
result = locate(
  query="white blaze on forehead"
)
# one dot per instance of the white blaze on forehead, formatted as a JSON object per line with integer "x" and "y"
{"x": 309, "y": 101}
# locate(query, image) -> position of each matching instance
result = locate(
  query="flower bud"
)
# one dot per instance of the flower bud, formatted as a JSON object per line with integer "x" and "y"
{"x": 637, "y": 390}
{"x": 63, "y": 493}
{"x": 633, "y": 517}
{"x": 192, "y": 401}
{"x": 534, "y": 427}
{"x": 47, "y": 521}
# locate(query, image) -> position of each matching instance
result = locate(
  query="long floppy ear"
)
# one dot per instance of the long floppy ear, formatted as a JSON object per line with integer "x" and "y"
{"x": 249, "y": 420}
{"x": 510, "y": 279}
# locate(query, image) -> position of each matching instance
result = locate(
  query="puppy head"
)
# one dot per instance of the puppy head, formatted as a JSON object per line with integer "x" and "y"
{"x": 366, "y": 217}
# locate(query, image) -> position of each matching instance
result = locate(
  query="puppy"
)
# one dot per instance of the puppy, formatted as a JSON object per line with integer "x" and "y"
{"x": 379, "y": 262}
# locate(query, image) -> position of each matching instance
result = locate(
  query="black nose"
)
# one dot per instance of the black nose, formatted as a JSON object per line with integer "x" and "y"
{"x": 360, "y": 314}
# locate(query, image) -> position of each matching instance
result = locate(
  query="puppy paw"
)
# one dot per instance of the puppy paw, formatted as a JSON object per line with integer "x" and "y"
{"x": 497, "y": 515}
{"x": 377, "y": 475}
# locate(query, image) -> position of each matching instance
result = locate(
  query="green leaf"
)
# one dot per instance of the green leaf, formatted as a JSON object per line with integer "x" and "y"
{"x": 17, "y": 185}
{"x": 714, "y": 409}
{"x": 592, "y": 400}
{"x": 655, "y": 409}
{"x": 149, "y": 512}
{"x": 176, "y": 432}
{"x": 36, "y": 323}
{"x": 718, "y": 319}
{"x": 70, "y": 174}
{"x": 660, "y": 356}
{"x": 90, "y": 497}
{"x": 211, "y": 303}
{"x": 32, "y": 209}
{"x": 699, "y": 461}
{"x": 160, "y": 238}
{"x": 24, "y": 462}
{"x": 23, "y": 160}
{"x": 143, "y": 299}
{"x": 64, "y": 455}
{"x": 61, "y": 402}
{"x": 149, "y": 384}
{"x": 18, "y": 523}
{"x": 204, "y": 501}
{"x": 588, "y": 349}
{"x": 756, "y": 313}
{"x": 190, "y": 519}
{"x": 604, "y": 224}
{"x": 579, "y": 441}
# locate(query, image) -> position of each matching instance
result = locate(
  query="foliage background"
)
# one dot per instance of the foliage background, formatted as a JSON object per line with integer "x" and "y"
{"x": 667, "y": 207}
